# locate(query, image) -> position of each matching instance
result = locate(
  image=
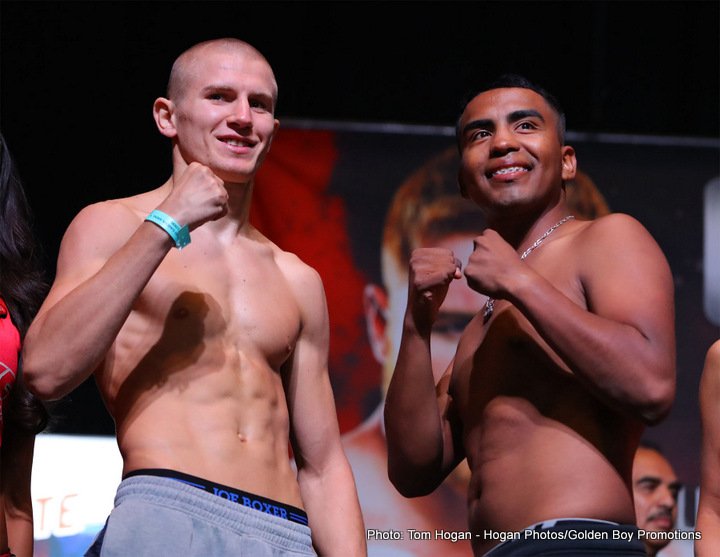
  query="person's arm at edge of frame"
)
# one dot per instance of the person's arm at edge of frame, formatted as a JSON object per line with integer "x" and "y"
{"x": 422, "y": 448}
{"x": 708, "y": 516}
{"x": 326, "y": 481}
{"x": 623, "y": 346}
{"x": 17, "y": 458}
{"x": 100, "y": 274}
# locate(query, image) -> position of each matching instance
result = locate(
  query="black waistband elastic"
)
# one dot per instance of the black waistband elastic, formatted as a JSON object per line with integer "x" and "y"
{"x": 256, "y": 502}
{"x": 571, "y": 523}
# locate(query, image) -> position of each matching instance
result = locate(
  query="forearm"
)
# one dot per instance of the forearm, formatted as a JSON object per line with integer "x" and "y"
{"x": 708, "y": 525}
{"x": 20, "y": 533}
{"x": 413, "y": 423}
{"x": 629, "y": 370}
{"x": 68, "y": 341}
{"x": 15, "y": 481}
{"x": 708, "y": 516}
{"x": 333, "y": 509}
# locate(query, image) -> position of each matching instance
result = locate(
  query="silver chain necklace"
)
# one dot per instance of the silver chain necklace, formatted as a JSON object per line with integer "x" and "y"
{"x": 490, "y": 303}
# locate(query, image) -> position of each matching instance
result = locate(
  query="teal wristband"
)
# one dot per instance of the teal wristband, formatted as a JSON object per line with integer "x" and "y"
{"x": 179, "y": 234}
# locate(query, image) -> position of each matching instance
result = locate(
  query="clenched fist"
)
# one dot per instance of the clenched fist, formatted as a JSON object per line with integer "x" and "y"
{"x": 490, "y": 265}
{"x": 431, "y": 271}
{"x": 198, "y": 196}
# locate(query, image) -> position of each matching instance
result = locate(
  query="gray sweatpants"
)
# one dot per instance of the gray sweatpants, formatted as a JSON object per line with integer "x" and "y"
{"x": 159, "y": 517}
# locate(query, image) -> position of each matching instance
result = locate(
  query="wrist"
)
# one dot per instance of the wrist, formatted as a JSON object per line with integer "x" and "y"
{"x": 520, "y": 287}
{"x": 179, "y": 234}
{"x": 412, "y": 326}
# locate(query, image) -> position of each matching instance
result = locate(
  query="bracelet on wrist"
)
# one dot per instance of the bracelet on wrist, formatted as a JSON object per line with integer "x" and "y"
{"x": 179, "y": 234}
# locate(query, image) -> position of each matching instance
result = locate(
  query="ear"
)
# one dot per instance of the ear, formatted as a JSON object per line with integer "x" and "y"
{"x": 163, "y": 112}
{"x": 569, "y": 163}
{"x": 276, "y": 126}
{"x": 375, "y": 303}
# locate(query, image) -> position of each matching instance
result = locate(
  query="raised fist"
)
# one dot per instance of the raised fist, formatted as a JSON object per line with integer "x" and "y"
{"x": 431, "y": 271}
{"x": 198, "y": 196}
{"x": 491, "y": 263}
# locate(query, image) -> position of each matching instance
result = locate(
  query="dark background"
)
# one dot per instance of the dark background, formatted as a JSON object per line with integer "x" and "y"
{"x": 78, "y": 80}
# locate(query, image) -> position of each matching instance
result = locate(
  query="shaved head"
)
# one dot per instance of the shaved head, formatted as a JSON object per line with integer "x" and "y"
{"x": 185, "y": 64}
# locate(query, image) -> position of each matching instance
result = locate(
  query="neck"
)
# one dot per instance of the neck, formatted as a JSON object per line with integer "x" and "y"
{"x": 521, "y": 230}
{"x": 237, "y": 219}
{"x": 239, "y": 200}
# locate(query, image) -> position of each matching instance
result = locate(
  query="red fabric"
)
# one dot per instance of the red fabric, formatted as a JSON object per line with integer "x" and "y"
{"x": 9, "y": 351}
{"x": 292, "y": 208}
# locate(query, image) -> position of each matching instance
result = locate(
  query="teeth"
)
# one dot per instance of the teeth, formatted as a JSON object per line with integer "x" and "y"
{"x": 508, "y": 170}
{"x": 234, "y": 142}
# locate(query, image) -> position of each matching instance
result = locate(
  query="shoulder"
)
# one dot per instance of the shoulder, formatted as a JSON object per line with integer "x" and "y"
{"x": 298, "y": 273}
{"x": 97, "y": 228}
{"x": 713, "y": 354}
{"x": 308, "y": 290}
{"x": 710, "y": 379}
{"x": 712, "y": 361}
{"x": 303, "y": 280}
{"x": 619, "y": 237}
{"x": 113, "y": 220}
{"x": 122, "y": 210}
{"x": 99, "y": 215}
{"x": 613, "y": 226}
{"x": 118, "y": 211}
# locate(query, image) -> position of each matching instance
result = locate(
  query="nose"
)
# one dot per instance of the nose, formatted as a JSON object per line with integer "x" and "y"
{"x": 667, "y": 498}
{"x": 241, "y": 114}
{"x": 503, "y": 142}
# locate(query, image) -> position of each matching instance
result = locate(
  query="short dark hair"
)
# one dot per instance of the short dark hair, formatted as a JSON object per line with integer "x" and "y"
{"x": 510, "y": 81}
{"x": 651, "y": 446}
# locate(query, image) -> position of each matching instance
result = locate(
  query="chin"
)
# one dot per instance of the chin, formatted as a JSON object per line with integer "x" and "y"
{"x": 233, "y": 176}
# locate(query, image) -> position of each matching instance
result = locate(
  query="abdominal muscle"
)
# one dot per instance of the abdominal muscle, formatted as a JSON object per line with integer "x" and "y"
{"x": 223, "y": 418}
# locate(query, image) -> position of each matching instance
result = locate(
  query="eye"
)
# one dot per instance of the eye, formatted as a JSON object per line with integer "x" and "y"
{"x": 261, "y": 104}
{"x": 216, "y": 97}
{"x": 479, "y": 134}
{"x": 674, "y": 491}
{"x": 527, "y": 125}
{"x": 647, "y": 486}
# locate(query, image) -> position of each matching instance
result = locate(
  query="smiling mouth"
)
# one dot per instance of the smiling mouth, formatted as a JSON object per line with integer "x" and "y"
{"x": 507, "y": 170}
{"x": 236, "y": 142}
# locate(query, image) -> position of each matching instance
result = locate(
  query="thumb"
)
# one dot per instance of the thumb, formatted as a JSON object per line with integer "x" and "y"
{"x": 458, "y": 269}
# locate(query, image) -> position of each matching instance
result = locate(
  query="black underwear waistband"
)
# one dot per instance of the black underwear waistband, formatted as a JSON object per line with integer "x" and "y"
{"x": 250, "y": 500}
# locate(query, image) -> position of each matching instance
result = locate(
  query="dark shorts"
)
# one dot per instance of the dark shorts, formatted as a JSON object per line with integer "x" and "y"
{"x": 573, "y": 538}
{"x": 163, "y": 516}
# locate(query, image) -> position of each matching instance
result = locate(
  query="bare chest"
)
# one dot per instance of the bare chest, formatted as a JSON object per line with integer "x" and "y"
{"x": 230, "y": 302}
{"x": 505, "y": 363}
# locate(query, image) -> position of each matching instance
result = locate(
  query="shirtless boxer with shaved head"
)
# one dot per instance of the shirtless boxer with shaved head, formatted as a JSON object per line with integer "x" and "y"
{"x": 555, "y": 379}
{"x": 208, "y": 342}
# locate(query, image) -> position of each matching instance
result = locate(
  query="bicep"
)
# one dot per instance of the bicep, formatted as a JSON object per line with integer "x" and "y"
{"x": 453, "y": 449}
{"x": 311, "y": 403}
{"x": 626, "y": 278}
{"x": 710, "y": 407}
